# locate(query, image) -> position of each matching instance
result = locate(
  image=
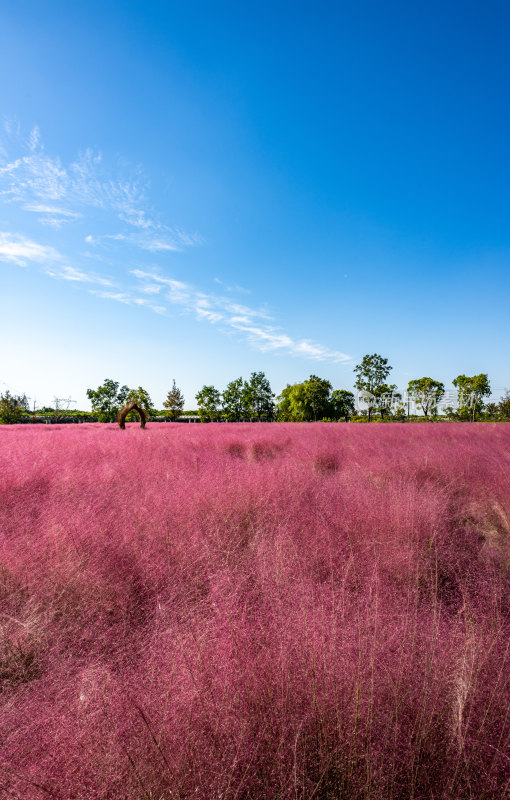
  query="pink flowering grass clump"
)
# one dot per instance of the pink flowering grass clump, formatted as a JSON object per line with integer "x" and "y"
{"x": 255, "y": 611}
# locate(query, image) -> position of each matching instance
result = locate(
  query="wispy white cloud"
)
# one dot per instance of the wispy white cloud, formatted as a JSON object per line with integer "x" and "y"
{"x": 114, "y": 237}
{"x": 20, "y": 250}
{"x": 161, "y": 240}
{"x": 90, "y": 198}
{"x": 204, "y": 304}
{"x": 72, "y": 274}
{"x": 127, "y": 298}
{"x": 235, "y": 317}
{"x": 234, "y": 288}
{"x": 40, "y": 208}
{"x": 41, "y": 183}
{"x": 120, "y": 297}
{"x": 34, "y": 178}
{"x": 268, "y": 338}
{"x": 33, "y": 139}
{"x": 52, "y": 216}
{"x": 151, "y": 289}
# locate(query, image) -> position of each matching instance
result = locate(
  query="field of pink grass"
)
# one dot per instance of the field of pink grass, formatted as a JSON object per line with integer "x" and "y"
{"x": 255, "y": 611}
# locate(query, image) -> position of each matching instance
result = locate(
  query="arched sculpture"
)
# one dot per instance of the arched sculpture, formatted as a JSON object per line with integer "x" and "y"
{"x": 132, "y": 406}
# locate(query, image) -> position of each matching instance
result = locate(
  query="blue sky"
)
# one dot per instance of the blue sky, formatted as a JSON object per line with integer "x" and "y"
{"x": 200, "y": 190}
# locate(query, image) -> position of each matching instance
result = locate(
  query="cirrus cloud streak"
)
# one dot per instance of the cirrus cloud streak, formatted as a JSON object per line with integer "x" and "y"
{"x": 104, "y": 214}
{"x": 253, "y": 323}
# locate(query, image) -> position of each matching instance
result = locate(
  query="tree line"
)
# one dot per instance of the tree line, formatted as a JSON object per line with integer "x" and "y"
{"x": 311, "y": 400}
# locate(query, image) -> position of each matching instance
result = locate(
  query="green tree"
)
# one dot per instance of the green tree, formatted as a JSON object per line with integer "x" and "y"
{"x": 292, "y": 405}
{"x": 258, "y": 397}
{"x": 492, "y": 411}
{"x": 504, "y": 406}
{"x": 471, "y": 391}
{"x": 342, "y": 404}
{"x": 306, "y": 401}
{"x": 107, "y": 400}
{"x": 451, "y": 413}
{"x": 427, "y": 393}
{"x": 501, "y": 410}
{"x": 174, "y": 401}
{"x": 12, "y": 408}
{"x": 386, "y": 397}
{"x": 317, "y": 392}
{"x": 209, "y": 400}
{"x": 371, "y": 374}
{"x": 234, "y": 401}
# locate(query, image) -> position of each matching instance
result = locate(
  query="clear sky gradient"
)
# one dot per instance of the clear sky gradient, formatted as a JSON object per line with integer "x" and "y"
{"x": 200, "y": 190}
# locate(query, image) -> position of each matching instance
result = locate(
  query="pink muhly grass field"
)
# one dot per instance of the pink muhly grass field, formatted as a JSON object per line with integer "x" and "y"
{"x": 255, "y": 611}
